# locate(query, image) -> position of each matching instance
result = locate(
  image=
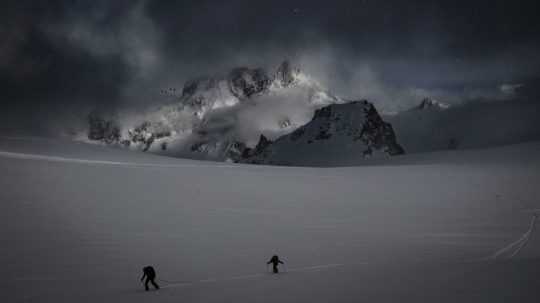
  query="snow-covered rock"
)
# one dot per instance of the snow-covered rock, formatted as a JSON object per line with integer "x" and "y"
{"x": 353, "y": 129}
{"x": 431, "y": 104}
{"x": 213, "y": 114}
{"x": 246, "y": 82}
{"x": 205, "y": 94}
{"x": 223, "y": 150}
{"x": 146, "y": 134}
{"x": 102, "y": 129}
{"x": 285, "y": 74}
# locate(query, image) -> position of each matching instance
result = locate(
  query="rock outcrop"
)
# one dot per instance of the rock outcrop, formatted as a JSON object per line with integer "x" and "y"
{"x": 353, "y": 129}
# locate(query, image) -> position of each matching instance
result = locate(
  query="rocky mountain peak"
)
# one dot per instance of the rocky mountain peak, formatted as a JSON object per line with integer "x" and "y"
{"x": 285, "y": 74}
{"x": 101, "y": 129}
{"x": 429, "y": 103}
{"x": 354, "y": 127}
{"x": 191, "y": 87}
{"x": 245, "y": 82}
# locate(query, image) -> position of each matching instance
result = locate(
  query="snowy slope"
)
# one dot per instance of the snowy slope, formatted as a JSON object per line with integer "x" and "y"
{"x": 471, "y": 125}
{"x": 336, "y": 133}
{"x": 79, "y": 222}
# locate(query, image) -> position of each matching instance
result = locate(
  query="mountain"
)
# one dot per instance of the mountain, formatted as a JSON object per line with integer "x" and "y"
{"x": 215, "y": 118}
{"x": 430, "y": 104}
{"x": 337, "y": 134}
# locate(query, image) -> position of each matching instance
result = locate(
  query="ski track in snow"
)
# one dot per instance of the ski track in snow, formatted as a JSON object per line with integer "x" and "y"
{"x": 26, "y": 156}
{"x": 316, "y": 268}
{"x": 519, "y": 243}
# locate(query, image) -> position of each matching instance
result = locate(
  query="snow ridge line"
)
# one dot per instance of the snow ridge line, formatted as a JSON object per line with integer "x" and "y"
{"x": 103, "y": 162}
{"x": 319, "y": 267}
{"x": 174, "y": 284}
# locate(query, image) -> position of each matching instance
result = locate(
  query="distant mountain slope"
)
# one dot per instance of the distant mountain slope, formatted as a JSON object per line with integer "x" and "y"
{"x": 470, "y": 125}
{"x": 430, "y": 104}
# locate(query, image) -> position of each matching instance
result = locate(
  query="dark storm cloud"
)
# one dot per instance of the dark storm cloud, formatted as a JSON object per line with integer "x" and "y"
{"x": 398, "y": 30}
{"x": 61, "y": 57}
{"x": 43, "y": 75}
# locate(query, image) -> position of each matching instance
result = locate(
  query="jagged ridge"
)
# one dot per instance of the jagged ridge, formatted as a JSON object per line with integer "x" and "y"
{"x": 352, "y": 127}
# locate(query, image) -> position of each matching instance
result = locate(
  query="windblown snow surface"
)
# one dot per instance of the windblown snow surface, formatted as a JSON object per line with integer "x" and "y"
{"x": 79, "y": 222}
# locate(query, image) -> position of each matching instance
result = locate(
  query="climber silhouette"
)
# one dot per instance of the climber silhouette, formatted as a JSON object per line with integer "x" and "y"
{"x": 150, "y": 274}
{"x": 275, "y": 261}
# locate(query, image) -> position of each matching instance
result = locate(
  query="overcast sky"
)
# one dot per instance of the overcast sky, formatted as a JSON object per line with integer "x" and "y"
{"x": 59, "y": 59}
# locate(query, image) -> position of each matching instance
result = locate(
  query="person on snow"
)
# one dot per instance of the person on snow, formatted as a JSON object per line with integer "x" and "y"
{"x": 150, "y": 274}
{"x": 275, "y": 261}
